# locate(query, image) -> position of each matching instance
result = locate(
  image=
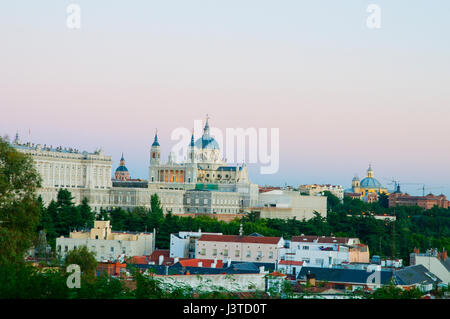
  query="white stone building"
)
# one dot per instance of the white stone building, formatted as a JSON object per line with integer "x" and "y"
{"x": 83, "y": 174}
{"x": 106, "y": 244}
{"x": 286, "y": 204}
{"x": 321, "y": 251}
{"x": 239, "y": 248}
{"x": 183, "y": 244}
{"x": 226, "y": 189}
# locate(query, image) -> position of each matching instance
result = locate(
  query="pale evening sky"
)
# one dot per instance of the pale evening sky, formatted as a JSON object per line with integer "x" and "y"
{"x": 342, "y": 95}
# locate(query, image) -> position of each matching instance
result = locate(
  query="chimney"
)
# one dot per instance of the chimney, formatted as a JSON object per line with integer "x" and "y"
{"x": 311, "y": 279}
{"x": 213, "y": 265}
{"x": 175, "y": 260}
{"x": 261, "y": 269}
{"x": 167, "y": 270}
{"x": 161, "y": 259}
{"x": 200, "y": 264}
{"x": 416, "y": 251}
{"x": 228, "y": 262}
{"x": 444, "y": 255}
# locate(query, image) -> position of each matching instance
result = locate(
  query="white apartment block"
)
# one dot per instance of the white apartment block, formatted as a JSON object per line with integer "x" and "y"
{"x": 239, "y": 248}
{"x": 106, "y": 244}
{"x": 315, "y": 251}
{"x": 183, "y": 244}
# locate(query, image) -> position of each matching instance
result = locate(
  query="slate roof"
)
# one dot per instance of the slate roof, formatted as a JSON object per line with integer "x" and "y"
{"x": 416, "y": 274}
{"x": 179, "y": 269}
{"x": 336, "y": 275}
{"x": 446, "y": 264}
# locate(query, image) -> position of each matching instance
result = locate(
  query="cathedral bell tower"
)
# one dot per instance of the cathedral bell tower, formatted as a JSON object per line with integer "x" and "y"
{"x": 155, "y": 152}
{"x": 155, "y": 160}
{"x": 356, "y": 184}
{"x": 191, "y": 150}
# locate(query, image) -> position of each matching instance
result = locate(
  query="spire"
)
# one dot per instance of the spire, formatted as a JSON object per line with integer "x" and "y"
{"x": 122, "y": 161}
{"x": 192, "y": 138}
{"x": 155, "y": 142}
{"x": 370, "y": 171}
{"x": 206, "y": 129}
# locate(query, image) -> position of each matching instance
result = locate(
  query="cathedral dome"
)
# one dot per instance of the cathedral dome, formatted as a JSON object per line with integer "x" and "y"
{"x": 370, "y": 182}
{"x": 122, "y": 169}
{"x": 207, "y": 143}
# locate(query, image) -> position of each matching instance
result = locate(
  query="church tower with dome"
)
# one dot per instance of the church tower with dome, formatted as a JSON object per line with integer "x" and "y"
{"x": 203, "y": 165}
{"x": 122, "y": 173}
{"x": 367, "y": 187}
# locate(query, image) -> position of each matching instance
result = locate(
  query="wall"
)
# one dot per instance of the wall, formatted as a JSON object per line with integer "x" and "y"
{"x": 236, "y": 282}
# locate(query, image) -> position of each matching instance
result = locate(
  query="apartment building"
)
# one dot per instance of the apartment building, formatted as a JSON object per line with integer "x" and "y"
{"x": 239, "y": 248}
{"x": 106, "y": 244}
{"x": 321, "y": 251}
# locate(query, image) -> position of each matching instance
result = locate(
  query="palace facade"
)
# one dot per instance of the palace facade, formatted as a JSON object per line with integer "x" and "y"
{"x": 201, "y": 184}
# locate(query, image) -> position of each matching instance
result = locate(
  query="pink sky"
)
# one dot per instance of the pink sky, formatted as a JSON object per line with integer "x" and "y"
{"x": 342, "y": 95}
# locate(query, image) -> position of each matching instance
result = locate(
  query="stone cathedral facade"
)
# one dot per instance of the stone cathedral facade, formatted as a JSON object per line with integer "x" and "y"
{"x": 202, "y": 184}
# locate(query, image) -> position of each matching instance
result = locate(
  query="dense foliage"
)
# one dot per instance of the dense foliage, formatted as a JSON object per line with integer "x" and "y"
{"x": 19, "y": 208}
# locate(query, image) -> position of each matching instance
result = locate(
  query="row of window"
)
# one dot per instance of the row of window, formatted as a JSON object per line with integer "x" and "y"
{"x": 237, "y": 253}
{"x": 214, "y": 201}
{"x": 93, "y": 248}
{"x": 318, "y": 261}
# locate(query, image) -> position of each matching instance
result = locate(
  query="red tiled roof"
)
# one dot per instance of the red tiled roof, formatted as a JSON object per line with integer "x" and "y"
{"x": 205, "y": 263}
{"x": 291, "y": 262}
{"x": 139, "y": 260}
{"x": 326, "y": 240}
{"x": 277, "y": 274}
{"x": 239, "y": 239}
{"x": 154, "y": 257}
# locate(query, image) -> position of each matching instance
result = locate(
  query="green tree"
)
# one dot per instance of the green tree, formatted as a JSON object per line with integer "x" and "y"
{"x": 19, "y": 207}
{"x": 82, "y": 257}
{"x": 87, "y": 216}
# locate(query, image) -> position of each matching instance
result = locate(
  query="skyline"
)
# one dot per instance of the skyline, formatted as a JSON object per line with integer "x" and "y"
{"x": 414, "y": 189}
{"x": 342, "y": 95}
